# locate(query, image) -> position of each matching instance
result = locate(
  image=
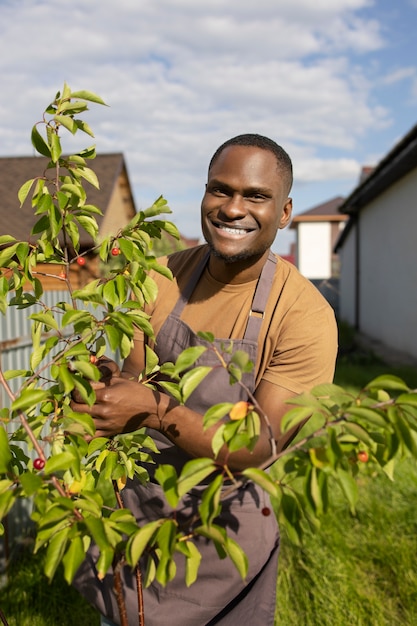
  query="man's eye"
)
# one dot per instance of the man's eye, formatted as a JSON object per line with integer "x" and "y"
{"x": 218, "y": 191}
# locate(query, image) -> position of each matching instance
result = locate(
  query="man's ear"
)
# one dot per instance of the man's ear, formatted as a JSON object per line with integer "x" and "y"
{"x": 286, "y": 213}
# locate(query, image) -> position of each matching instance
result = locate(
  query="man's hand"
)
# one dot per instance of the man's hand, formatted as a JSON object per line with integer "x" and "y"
{"x": 121, "y": 406}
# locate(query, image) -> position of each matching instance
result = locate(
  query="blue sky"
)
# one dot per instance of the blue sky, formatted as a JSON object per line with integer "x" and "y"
{"x": 333, "y": 81}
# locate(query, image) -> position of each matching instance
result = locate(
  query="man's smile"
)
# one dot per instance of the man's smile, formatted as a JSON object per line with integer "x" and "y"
{"x": 232, "y": 230}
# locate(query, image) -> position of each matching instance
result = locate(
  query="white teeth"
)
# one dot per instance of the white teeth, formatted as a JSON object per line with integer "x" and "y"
{"x": 233, "y": 231}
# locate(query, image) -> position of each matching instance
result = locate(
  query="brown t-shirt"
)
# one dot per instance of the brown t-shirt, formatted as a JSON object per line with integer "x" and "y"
{"x": 298, "y": 339}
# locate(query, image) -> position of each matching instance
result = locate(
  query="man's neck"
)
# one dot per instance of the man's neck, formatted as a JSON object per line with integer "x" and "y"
{"x": 236, "y": 272}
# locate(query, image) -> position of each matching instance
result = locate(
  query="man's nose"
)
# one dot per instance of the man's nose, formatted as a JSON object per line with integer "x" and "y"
{"x": 234, "y": 207}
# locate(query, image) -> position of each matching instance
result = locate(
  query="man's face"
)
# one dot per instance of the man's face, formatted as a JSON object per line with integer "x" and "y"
{"x": 245, "y": 203}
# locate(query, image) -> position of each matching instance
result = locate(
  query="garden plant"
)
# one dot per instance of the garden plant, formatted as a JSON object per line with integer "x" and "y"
{"x": 50, "y": 454}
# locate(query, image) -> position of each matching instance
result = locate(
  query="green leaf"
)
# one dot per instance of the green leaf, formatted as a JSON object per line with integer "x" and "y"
{"x": 171, "y": 388}
{"x": 388, "y": 382}
{"x": 67, "y": 122}
{"x": 74, "y": 189}
{"x": 104, "y": 562}
{"x": 209, "y": 507}
{"x": 55, "y": 551}
{"x": 87, "y": 369}
{"x": 89, "y": 224}
{"x": 192, "y": 563}
{"x": 56, "y": 149}
{"x": 89, "y": 175}
{"x": 73, "y": 558}
{"x": 47, "y": 319}
{"x": 138, "y": 542}
{"x": 28, "y": 398}
{"x": 238, "y": 556}
{"x": 31, "y": 483}
{"x": 217, "y": 534}
{"x": 192, "y": 379}
{"x": 349, "y": 488}
{"x": 59, "y": 462}
{"x": 7, "y": 499}
{"x": 97, "y": 531}
{"x": 39, "y": 143}
{"x": 24, "y": 190}
{"x": 193, "y": 473}
{"x": 262, "y": 479}
{"x": 217, "y": 441}
{"x": 188, "y": 357}
{"x": 373, "y": 416}
{"x": 216, "y": 413}
{"x": 407, "y": 398}
{"x": 295, "y": 416}
{"x": 406, "y": 435}
{"x": 357, "y": 431}
{"x": 87, "y": 95}
{"x": 5, "y": 453}
{"x": 166, "y": 475}
{"x": 79, "y": 423}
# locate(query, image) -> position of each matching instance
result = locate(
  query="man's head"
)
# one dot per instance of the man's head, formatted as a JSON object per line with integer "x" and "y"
{"x": 259, "y": 141}
{"x": 246, "y": 199}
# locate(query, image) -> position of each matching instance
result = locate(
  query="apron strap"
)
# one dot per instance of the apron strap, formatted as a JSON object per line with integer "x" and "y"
{"x": 263, "y": 289}
{"x": 185, "y": 295}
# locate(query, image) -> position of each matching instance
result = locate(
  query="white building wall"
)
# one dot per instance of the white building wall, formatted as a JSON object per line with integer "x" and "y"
{"x": 314, "y": 249}
{"x": 388, "y": 266}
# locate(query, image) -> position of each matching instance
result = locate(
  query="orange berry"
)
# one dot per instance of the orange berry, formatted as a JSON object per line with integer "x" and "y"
{"x": 363, "y": 456}
{"x": 239, "y": 410}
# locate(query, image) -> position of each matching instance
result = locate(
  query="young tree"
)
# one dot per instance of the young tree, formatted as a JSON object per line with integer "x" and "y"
{"x": 75, "y": 478}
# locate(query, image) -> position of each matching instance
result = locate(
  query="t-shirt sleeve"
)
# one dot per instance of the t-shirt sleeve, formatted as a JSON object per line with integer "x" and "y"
{"x": 304, "y": 353}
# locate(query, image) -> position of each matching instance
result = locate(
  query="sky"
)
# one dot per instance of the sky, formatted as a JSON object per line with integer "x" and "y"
{"x": 332, "y": 81}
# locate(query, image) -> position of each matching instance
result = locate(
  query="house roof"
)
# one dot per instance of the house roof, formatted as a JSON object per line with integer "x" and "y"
{"x": 14, "y": 171}
{"x": 396, "y": 164}
{"x": 325, "y": 212}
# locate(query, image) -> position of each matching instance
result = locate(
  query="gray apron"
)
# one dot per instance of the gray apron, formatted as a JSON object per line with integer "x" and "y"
{"x": 219, "y": 596}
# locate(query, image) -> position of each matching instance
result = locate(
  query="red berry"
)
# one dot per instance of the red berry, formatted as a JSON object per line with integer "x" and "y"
{"x": 93, "y": 359}
{"x": 38, "y": 464}
{"x": 81, "y": 260}
{"x": 266, "y": 511}
{"x": 115, "y": 251}
{"x": 62, "y": 275}
{"x": 363, "y": 456}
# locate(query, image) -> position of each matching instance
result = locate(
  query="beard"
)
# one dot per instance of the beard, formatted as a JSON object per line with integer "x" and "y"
{"x": 233, "y": 258}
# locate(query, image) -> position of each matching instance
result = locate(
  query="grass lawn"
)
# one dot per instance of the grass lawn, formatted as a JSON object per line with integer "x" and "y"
{"x": 356, "y": 571}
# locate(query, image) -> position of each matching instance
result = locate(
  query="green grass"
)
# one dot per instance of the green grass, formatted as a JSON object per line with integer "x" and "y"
{"x": 354, "y": 571}
{"x": 28, "y": 599}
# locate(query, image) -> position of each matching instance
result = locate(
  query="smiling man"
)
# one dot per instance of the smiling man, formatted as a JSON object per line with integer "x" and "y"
{"x": 235, "y": 288}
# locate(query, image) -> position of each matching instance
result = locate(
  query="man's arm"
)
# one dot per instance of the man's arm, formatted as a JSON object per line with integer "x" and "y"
{"x": 124, "y": 405}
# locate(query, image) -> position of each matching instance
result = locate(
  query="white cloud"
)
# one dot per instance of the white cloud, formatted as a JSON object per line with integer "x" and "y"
{"x": 181, "y": 76}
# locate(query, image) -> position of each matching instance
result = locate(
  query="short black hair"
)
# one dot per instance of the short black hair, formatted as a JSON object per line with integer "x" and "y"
{"x": 259, "y": 141}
